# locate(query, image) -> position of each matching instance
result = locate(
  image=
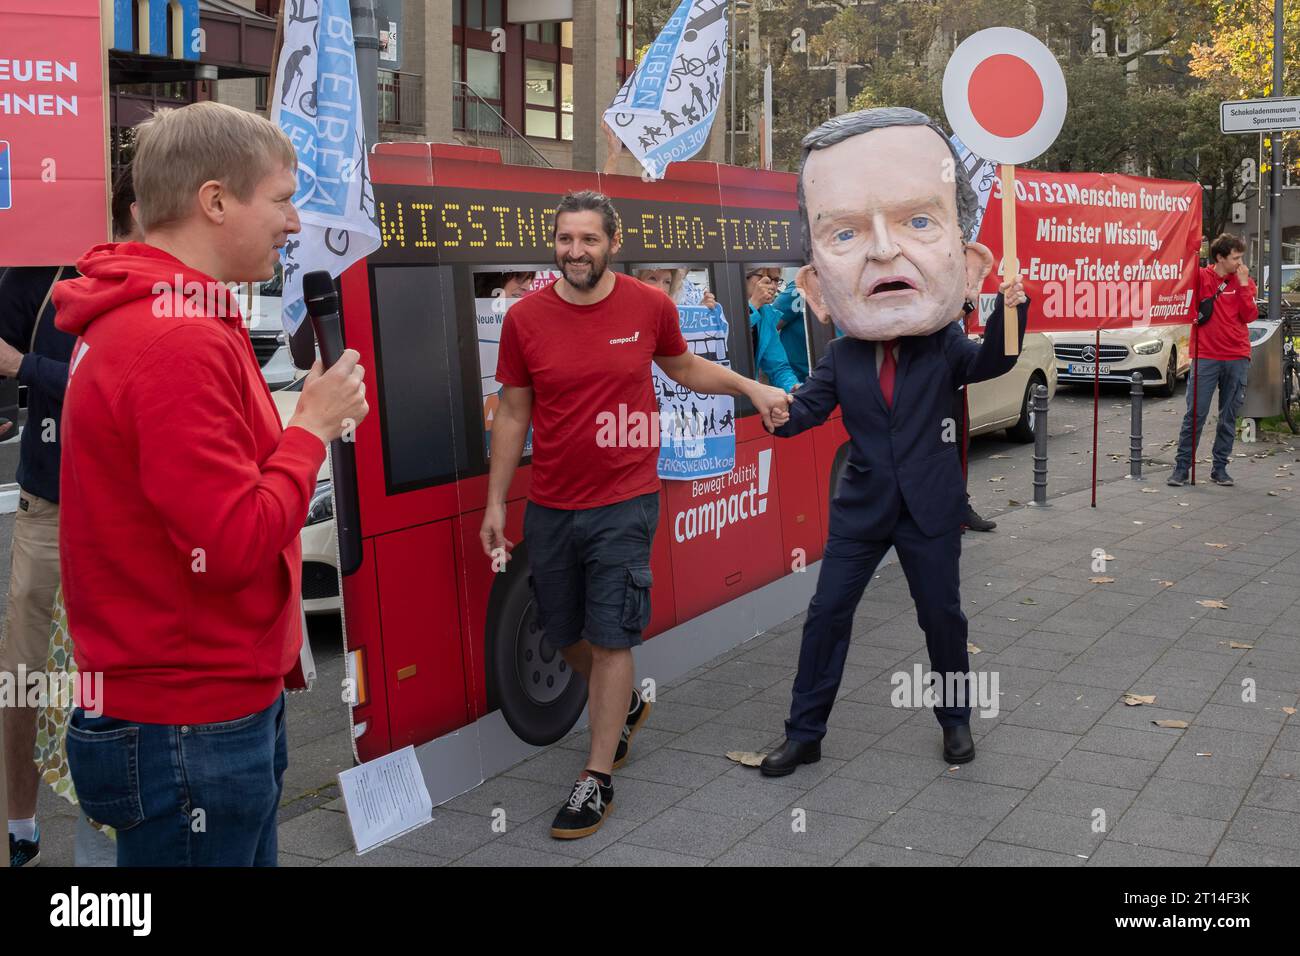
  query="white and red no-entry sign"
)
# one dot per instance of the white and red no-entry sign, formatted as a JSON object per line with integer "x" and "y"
{"x": 1004, "y": 94}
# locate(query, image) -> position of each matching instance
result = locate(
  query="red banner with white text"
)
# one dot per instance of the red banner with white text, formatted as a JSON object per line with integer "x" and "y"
{"x": 53, "y": 136}
{"x": 1099, "y": 250}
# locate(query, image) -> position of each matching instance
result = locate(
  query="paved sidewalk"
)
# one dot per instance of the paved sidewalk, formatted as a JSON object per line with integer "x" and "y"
{"x": 1066, "y": 774}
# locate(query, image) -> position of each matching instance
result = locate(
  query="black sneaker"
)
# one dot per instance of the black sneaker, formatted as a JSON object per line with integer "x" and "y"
{"x": 1177, "y": 478}
{"x": 25, "y": 852}
{"x": 636, "y": 717}
{"x": 589, "y": 804}
{"x": 1221, "y": 477}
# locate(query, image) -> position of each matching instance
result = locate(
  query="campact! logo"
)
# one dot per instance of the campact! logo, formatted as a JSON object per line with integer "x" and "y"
{"x": 740, "y": 505}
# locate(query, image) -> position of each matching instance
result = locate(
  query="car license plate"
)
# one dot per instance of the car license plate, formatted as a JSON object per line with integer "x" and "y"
{"x": 1077, "y": 368}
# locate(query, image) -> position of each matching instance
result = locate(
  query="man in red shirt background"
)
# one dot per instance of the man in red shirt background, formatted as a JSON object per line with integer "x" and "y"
{"x": 574, "y": 361}
{"x": 1221, "y": 347}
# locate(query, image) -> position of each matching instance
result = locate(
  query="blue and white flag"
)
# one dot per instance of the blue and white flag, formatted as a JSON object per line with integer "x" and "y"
{"x": 697, "y": 431}
{"x": 316, "y": 100}
{"x": 981, "y": 173}
{"x": 664, "y": 110}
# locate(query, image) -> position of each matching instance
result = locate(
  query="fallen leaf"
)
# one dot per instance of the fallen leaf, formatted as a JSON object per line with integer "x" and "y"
{"x": 1218, "y": 604}
{"x": 1108, "y": 557}
{"x": 1212, "y": 544}
{"x": 745, "y": 757}
{"x": 1150, "y": 491}
{"x": 997, "y": 478}
{"x": 1167, "y": 584}
{"x": 1241, "y": 646}
{"x": 1013, "y": 503}
{"x": 1137, "y": 700}
{"x": 1178, "y": 526}
{"x": 1028, "y": 601}
{"x": 1102, "y": 580}
{"x": 1289, "y": 710}
{"x": 991, "y": 457}
{"x": 1176, "y": 724}
{"x": 1183, "y": 504}
{"x": 972, "y": 648}
{"x": 1273, "y": 494}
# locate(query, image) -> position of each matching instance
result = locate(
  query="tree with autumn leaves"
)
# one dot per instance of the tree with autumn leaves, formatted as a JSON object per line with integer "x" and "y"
{"x": 1145, "y": 77}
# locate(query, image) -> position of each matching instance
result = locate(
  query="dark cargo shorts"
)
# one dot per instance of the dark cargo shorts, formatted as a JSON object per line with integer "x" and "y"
{"x": 591, "y": 570}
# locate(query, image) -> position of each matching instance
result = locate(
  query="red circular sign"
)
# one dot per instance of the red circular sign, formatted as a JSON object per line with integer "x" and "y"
{"x": 1005, "y": 95}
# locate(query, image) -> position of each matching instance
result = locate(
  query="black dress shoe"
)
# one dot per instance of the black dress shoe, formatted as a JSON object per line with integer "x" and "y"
{"x": 977, "y": 522}
{"x": 785, "y": 758}
{"x": 957, "y": 744}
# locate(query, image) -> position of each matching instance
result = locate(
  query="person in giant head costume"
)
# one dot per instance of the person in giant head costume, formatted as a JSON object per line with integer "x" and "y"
{"x": 886, "y": 208}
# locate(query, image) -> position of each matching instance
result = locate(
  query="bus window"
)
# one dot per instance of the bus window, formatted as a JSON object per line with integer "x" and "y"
{"x": 778, "y": 332}
{"x": 419, "y": 381}
{"x": 495, "y": 291}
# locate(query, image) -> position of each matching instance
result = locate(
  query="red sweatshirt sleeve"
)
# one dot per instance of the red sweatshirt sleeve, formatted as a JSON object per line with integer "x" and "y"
{"x": 1247, "y": 310}
{"x": 198, "y": 462}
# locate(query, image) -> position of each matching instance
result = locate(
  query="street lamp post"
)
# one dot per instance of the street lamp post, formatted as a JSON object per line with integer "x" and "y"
{"x": 1275, "y": 184}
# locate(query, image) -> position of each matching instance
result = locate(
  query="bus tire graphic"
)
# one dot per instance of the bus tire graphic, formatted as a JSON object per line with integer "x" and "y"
{"x": 528, "y": 680}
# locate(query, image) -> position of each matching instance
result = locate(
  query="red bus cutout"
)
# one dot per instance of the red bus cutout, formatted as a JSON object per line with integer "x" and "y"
{"x": 443, "y": 652}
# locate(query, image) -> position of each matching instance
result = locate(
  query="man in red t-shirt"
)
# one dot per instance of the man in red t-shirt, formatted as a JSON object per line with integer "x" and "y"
{"x": 574, "y": 362}
{"x": 1221, "y": 348}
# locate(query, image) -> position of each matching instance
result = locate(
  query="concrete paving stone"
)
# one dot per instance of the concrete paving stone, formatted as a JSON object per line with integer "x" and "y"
{"x": 1218, "y": 741}
{"x": 1275, "y": 793}
{"x": 986, "y": 623}
{"x": 1069, "y": 708}
{"x": 821, "y": 835}
{"x": 1169, "y": 831}
{"x": 387, "y": 855}
{"x": 1235, "y": 853}
{"x": 863, "y": 799}
{"x": 1173, "y": 697}
{"x": 921, "y": 740}
{"x": 874, "y": 659}
{"x": 802, "y": 780}
{"x": 907, "y": 771}
{"x": 755, "y": 713}
{"x": 678, "y": 768}
{"x": 750, "y": 673}
{"x": 521, "y": 799}
{"x": 933, "y": 832}
{"x": 1123, "y": 742}
{"x": 1283, "y": 662}
{"x": 1114, "y": 853}
{"x": 1008, "y": 770}
{"x": 1047, "y": 831}
{"x": 1218, "y": 768}
{"x": 961, "y": 796}
{"x": 1039, "y": 658}
{"x": 747, "y": 798}
{"x": 1129, "y": 773}
{"x": 702, "y": 692}
{"x": 757, "y": 854}
{"x": 1112, "y": 676}
{"x": 1282, "y": 763}
{"x": 639, "y": 800}
{"x": 1217, "y": 664}
{"x": 867, "y": 718}
{"x": 559, "y": 767}
{"x": 691, "y": 832}
{"x": 1260, "y": 717}
{"x": 1017, "y": 682}
{"x": 1028, "y": 742}
{"x": 319, "y": 834}
{"x": 535, "y": 835}
{"x": 992, "y": 853}
{"x": 1274, "y": 828}
{"x": 452, "y": 833}
{"x": 718, "y": 739}
{"x": 317, "y": 764}
{"x": 867, "y": 853}
{"x": 1074, "y": 644}
{"x": 1077, "y": 798}
{"x": 1143, "y": 717}
{"x": 625, "y": 854}
{"x": 1263, "y": 678}
{"x": 282, "y": 859}
{"x": 679, "y": 718}
{"x": 499, "y": 853}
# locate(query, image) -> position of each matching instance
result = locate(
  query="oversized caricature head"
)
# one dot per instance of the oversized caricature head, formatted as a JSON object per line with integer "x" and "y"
{"x": 886, "y": 207}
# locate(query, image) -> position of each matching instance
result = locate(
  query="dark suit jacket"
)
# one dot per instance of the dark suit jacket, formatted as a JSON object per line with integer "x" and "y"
{"x": 899, "y": 455}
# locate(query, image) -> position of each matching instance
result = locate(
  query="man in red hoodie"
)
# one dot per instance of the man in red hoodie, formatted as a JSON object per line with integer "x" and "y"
{"x": 1221, "y": 347}
{"x": 183, "y": 498}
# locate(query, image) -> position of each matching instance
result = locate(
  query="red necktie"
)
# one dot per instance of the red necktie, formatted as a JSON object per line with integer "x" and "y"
{"x": 887, "y": 368}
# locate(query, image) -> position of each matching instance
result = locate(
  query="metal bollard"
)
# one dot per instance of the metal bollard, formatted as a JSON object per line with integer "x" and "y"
{"x": 1040, "y": 445}
{"x": 1135, "y": 432}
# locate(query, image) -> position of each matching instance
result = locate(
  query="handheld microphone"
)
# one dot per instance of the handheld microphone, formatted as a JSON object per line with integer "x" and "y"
{"x": 322, "y": 301}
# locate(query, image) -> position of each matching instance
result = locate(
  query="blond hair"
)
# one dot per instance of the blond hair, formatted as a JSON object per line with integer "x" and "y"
{"x": 178, "y": 150}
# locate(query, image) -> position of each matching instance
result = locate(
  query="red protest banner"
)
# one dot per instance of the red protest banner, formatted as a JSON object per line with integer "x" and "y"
{"x": 53, "y": 132}
{"x": 1099, "y": 250}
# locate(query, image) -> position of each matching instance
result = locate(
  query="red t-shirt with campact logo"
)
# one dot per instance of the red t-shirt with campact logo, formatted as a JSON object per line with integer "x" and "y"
{"x": 595, "y": 437}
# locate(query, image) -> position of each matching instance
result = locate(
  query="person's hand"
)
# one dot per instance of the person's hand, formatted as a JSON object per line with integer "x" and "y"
{"x": 709, "y": 300}
{"x": 493, "y": 532}
{"x": 10, "y": 360}
{"x": 335, "y": 401}
{"x": 773, "y": 405}
{"x": 1243, "y": 273}
{"x": 1013, "y": 293}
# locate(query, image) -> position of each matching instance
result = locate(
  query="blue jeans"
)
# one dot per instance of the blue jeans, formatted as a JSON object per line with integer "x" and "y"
{"x": 192, "y": 795}
{"x": 1229, "y": 376}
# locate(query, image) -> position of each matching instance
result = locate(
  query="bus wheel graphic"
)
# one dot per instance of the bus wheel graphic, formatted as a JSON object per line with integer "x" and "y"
{"x": 531, "y": 683}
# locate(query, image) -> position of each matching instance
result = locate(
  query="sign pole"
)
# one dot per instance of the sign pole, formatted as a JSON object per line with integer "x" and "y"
{"x": 1010, "y": 267}
{"x": 1275, "y": 184}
